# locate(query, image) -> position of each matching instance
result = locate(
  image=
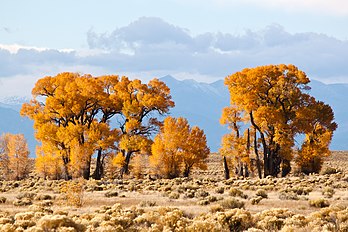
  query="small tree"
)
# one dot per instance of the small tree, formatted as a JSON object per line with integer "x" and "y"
{"x": 178, "y": 148}
{"x": 15, "y": 156}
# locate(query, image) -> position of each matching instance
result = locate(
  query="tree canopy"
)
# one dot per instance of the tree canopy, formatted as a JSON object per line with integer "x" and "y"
{"x": 178, "y": 148}
{"x": 273, "y": 103}
{"x": 72, "y": 114}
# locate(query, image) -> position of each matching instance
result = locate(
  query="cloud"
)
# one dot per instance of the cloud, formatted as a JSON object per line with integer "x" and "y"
{"x": 151, "y": 46}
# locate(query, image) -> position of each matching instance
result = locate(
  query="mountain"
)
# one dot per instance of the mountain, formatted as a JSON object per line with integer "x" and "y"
{"x": 201, "y": 104}
{"x": 12, "y": 122}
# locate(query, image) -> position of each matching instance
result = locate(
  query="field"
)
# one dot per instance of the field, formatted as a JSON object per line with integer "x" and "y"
{"x": 203, "y": 202}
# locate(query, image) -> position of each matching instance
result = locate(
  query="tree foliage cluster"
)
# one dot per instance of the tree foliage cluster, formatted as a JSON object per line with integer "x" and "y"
{"x": 77, "y": 116}
{"x": 178, "y": 147}
{"x": 270, "y": 108}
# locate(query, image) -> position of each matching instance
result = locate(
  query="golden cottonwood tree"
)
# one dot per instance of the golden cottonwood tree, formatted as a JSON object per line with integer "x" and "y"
{"x": 15, "y": 163}
{"x": 65, "y": 110}
{"x": 138, "y": 119}
{"x": 72, "y": 116}
{"x": 178, "y": 148}
{"x": 271, "y": 99}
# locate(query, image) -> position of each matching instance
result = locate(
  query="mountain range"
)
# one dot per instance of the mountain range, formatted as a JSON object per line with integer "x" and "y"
{"x": 201, "y": 103}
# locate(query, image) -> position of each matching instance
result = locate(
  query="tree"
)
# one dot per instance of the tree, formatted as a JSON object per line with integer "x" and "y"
{"x": 271, "y": 99}
{"x": 72, "y": 115}
{"x": 178, "y": 148}
{"x": 234, "y": 145}
{"x": 138, "y": 119}
{"x": 15, "y": 161}
{"x": 64, "y": 110}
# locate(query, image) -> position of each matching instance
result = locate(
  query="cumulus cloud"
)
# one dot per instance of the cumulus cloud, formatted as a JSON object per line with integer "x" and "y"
{"x": 151, "y": 46}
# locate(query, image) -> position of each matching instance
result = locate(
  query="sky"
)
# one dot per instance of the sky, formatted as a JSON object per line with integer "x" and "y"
{"x": 188, "y": 39}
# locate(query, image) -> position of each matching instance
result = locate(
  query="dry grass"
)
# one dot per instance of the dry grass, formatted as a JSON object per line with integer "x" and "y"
{"x": 203, "y": 202}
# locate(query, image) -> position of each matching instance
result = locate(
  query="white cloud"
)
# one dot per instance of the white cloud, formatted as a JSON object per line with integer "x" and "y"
{"x": 204, "y": 57}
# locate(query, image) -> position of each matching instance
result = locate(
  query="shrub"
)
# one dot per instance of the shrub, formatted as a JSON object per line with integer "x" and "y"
{"x": 288, "y": 196}
{"x": 2, "y": 200}
{"x": 29, "y": 195}
{"x": 328, "y": 192}
{"x": 43, "y": 197}
{"x": 319, "y": 203}
{"x": 111, "y": 193}
{"x": 220, "y": 190}
{"x": 256, "y": 200}
{"x": 22, "y": 202}
{"x": 231, "y": 203}
{"x": 147, "y": 203}
{"x": 234, "y": 192}
{"x": 272, "y": 219}
{"x": 73, "y": 192}
{"x": 53, "y": 222}
{"x": 330, "y": 171}
{"x": 201, "y": 193}
{"x": 261, "y": 193}
{"x": 174, "y": 195}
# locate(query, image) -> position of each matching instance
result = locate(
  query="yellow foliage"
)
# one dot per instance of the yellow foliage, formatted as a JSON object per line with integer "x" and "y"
{"x": 48, "y": 163}
{"x": 271, "y": 100}
{"x": 178, "y": 148}
{"x": 14, "y": 157}
{"x": 73, "y": 192}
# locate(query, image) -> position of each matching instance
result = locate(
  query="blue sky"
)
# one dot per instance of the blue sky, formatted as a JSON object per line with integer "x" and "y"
{"x": 203, "y": 40}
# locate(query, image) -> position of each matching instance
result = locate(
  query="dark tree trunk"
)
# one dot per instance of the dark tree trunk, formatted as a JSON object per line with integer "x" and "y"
{"x": 258, "y": 162}
{"x": 86, "y": 172}
{"x": 226, "y": 169}
{"x": 98, "y": 172}
{"x": 286, "y": 167}
{"x": 66, "y": 174}
{"x": 187, "y": 172}
{"x": 125, "y": 168}
{"x": 246, "y": 170}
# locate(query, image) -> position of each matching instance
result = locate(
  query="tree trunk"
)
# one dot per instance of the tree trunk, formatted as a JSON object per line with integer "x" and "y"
{"x": 86, "y": 172}
{"x": 66, "y": 174}
{"x": 226, "y": 169}
{"x": 98, "y": 172}
{"x": 246, "y": 170}
{"x": 258, "y": 162}
{"x": 286, "y": 167}
{"x": 125, "y": 168}
{"x": 187, "y": 171}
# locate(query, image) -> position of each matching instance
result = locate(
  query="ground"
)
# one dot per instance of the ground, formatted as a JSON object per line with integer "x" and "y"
{"x": 295, "y": 203}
